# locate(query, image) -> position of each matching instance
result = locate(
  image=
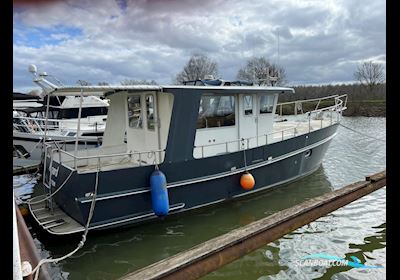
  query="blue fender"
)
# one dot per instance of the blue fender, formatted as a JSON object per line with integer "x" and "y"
{"x": 159, "y": 193}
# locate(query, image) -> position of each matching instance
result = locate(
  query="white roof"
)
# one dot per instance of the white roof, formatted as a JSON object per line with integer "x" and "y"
{"x": 102, "y": 90}
{"x": 26, "y": 104}
{"x": 99, "y": 90}
{"x": 238, "y": 88}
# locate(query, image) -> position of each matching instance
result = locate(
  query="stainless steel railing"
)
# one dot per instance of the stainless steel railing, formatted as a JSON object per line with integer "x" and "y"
{"x": 37, "y": 125}
{"x": 316, "y": 114}
{"x": 298, "y": 104}
{"x": 73, "y": 160}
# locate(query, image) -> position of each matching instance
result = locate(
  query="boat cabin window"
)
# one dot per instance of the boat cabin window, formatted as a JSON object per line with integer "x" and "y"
{"x": 73, "y": 113}
{"x": 248, "y": 105}
{"x": 266, "y": 104}
{"x": 135, "y": 112}
{"x": 216, "y": 111}
{"x": 150, "y": 111}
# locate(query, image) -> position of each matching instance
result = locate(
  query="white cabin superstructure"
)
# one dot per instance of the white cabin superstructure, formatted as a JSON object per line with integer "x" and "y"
{"x": 138, "y": 121}
{"x": 253, "y": 117}
{"x": 139, "y": 118}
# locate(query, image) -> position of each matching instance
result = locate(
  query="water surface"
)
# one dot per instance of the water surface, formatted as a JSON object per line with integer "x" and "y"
{"x": 358, "y": 229}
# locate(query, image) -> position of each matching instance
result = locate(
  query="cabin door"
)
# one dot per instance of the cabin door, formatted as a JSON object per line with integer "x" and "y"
{"x": 151, "y": 129}
{"x": 248, "y": 120}
{"x": 265, "y": 117}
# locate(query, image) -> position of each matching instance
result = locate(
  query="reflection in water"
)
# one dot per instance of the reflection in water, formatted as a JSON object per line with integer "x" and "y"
{"x": 370, "y": 244}
{"x": 135, "y": 247}
{"x": 267, "y": 260}
{"x": 345, "y": 232}
{"x": 349, "y": 158}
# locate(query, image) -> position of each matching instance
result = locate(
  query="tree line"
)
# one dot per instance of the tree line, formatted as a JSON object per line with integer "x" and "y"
{"x": 355, "y": 92}
{"x": 259, "y": 70}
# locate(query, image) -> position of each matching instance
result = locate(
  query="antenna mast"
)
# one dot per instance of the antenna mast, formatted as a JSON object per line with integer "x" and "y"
{"x": 278, "y": 65}
{"x": 278, "y": 45}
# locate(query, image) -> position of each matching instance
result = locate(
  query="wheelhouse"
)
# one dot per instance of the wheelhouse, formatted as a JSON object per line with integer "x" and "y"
{"x": 203, "y": 138}
{"x": 153, "y": 124}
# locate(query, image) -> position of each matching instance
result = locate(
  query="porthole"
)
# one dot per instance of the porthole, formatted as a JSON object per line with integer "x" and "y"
{"x": 307, "y": 154}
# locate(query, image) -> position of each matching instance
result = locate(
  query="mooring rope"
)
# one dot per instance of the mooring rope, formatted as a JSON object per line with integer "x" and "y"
{"x": 366, "y": 135}
{"x": 82, "y": 242}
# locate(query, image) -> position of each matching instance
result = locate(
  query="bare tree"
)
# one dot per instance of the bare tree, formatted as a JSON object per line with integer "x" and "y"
{"x": 370, "y": 74}
{"x": 259, "y": 69}
{"x": 198, "y": 66}
{"x": 129, "y": 82}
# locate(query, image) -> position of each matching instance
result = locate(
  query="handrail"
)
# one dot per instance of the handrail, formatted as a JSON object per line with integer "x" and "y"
{"x": 338, "y": 108}
{"x": 345, "y": 101}
{"x": 76, "y": 157}
{"x": 131, "y": 153}
{"x": 243, "y": 139}
{"x": 323, "y": 109}
{"x": 57, "y": 120}
{"x": 38, "y": 125}
{"x": 37, "y": 130}
{"x": 298, "y": 103}
{"x": 308, "y": 100}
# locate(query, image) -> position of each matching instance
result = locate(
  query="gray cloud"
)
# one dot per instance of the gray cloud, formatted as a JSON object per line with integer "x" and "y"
{"x": 320, "y": 42}
{"x": 283, "y": 31}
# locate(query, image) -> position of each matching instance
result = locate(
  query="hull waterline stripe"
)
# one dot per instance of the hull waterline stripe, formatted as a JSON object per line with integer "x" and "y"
{"x": 147, "y": 216}
{"x": 181, "y": 210}
{"x": 221, "y": 175}
{"x": 173, "y": 208}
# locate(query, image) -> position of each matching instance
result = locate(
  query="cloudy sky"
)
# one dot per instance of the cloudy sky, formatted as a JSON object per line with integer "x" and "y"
{"x": 320, "y": 42}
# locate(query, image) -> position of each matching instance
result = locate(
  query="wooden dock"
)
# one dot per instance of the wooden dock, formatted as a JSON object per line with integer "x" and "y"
{"x": 25, "y": 166}
{"x": 217, "y": 252}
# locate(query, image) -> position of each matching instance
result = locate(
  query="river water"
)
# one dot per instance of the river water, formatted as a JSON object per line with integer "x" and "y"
{"x": 358, "y": 229}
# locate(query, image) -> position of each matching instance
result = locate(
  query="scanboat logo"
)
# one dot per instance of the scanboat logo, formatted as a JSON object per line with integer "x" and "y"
{"x": 328, "y": 260}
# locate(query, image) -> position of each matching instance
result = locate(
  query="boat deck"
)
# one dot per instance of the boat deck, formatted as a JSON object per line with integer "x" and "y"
{"x": 281, "y": 131}
{"x": 56, "y": 221}
{"x": 301, "y": 127}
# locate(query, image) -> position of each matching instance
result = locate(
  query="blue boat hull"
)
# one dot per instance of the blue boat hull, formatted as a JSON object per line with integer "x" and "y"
{"x": 124, "y": 195}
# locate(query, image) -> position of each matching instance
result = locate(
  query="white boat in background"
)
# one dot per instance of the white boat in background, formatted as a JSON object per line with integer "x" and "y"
{"x": 32, "y": 122}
